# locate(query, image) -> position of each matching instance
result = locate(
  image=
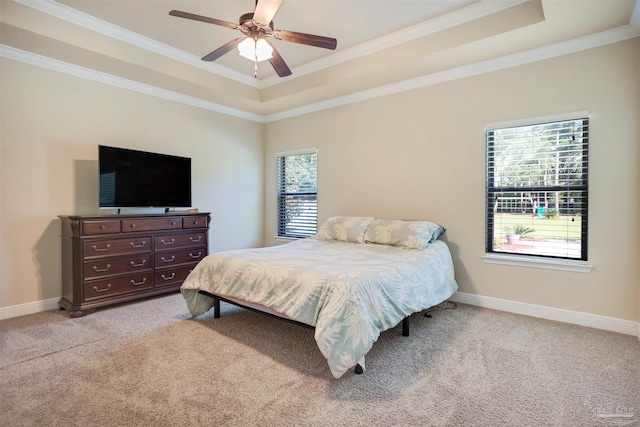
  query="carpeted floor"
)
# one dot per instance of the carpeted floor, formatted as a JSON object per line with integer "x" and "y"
{"x": 149, "y": 363}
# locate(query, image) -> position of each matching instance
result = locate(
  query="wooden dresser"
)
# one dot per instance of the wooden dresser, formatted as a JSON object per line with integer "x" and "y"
{"x": 109, "y": 259}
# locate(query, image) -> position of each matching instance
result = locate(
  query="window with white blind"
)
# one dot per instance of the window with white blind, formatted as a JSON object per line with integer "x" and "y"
{"x": 297, "y": 194}
{"x": 537, "y": 189}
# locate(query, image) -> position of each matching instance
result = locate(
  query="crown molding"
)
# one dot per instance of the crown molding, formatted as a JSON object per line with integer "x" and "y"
{"x": 571, "y": 46}
{"x": 448, "y": 20}
{"x": 558, "y": 49}
{"x": 109, "y": 79}
{"x": 82, "y": 19}
{"x": 431, "y": 26}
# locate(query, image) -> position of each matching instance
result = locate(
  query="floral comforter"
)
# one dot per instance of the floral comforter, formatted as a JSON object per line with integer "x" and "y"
{"x": 349, "y": 292}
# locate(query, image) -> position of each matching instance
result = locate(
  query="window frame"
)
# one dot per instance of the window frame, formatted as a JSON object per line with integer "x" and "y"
{"x": 528, "y": 259}
{"x": 282, "y": 196}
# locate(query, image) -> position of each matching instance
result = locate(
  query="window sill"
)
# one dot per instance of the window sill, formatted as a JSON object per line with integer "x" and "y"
{"x": 287, "y": 239}
{"x": 534, "y": 262}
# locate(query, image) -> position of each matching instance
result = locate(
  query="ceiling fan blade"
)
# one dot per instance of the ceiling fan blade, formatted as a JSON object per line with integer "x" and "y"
{"x": 266, "y": 10}
{"x": 225, "y": 48}
{"x": 201, "y": 18}
{"x": 278, "y": 63}
{"x": 308, "y": 39}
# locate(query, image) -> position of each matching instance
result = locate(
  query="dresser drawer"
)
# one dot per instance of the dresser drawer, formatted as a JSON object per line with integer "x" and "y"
{"x": 172, "y": 241}
{"x": 181, "y": 257}
{"x": 195, "y": 222}
{"x": 117, "y": 286}
{"x": 173, "y": 276}
{"x": 109, "y": 267}
{"x": 154, "y": 224}
{"x": 100, "y": 227}
{"x": 98, "y": 248}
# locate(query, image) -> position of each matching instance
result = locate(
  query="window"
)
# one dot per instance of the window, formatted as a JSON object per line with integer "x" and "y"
{"x": 298, "y": 194}
{"x": 537, "y": 189}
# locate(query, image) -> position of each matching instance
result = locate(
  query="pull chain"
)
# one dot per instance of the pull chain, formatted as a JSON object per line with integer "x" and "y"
{"x": 255, "y": 55}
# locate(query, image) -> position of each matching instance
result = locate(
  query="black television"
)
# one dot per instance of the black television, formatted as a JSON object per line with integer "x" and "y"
{"x": 140, "y": 179}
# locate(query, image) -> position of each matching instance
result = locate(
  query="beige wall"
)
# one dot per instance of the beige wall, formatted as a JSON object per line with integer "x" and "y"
{"x": 420, "y": 155}
{"x": 417, "y": 154}
{"x": 51, "y": 125}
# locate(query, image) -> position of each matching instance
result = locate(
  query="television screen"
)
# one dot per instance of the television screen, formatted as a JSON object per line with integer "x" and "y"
{"x": 131, "y": 178}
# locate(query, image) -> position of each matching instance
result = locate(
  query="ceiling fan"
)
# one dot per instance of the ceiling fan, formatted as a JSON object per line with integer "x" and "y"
{"x": 257, "y": 27}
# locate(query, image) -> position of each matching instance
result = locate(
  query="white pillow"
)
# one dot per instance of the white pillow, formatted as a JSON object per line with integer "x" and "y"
{"x": 344, "y": 228}
{"x": 405, "y": 234}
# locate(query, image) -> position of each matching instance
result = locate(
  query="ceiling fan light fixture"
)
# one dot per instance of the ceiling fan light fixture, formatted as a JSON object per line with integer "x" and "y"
{"x": 255, "y": 50}
{"x": 255, "y": 27}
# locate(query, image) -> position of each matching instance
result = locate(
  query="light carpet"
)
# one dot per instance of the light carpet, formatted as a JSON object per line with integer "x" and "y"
{"x": 149, "y": 363}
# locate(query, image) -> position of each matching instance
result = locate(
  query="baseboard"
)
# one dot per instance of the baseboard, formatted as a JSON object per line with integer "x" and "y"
{"x": 613, "y": 324}
{"x": 28, "y": 308}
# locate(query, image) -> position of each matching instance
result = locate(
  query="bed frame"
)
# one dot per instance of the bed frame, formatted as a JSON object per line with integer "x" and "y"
{"x": 216, "y": 315}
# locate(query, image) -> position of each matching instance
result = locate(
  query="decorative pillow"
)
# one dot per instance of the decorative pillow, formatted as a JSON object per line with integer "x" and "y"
{"x": 405, "y": 234}
{"x": 345, "y": 228}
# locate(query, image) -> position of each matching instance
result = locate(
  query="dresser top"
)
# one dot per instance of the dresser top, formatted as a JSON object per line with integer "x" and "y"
{"x": 123, "y": 216}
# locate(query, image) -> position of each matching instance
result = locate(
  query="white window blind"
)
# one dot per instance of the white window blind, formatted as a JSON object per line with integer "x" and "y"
{"x": 537, "y": 189}
{"x": 298, "y": 194}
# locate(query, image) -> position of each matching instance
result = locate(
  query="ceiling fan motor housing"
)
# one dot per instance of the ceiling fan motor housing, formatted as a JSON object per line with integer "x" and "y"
{"x": 252, "y": 28}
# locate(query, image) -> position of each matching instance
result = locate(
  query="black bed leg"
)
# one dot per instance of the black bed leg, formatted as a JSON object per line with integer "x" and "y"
{"x": 405, "y": 327}
{"x": 359, "y": 369}
{"x": 216, "y": 307}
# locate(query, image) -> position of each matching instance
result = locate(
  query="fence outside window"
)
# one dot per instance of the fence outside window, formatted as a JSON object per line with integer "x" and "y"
{"x": 537, "y": 189}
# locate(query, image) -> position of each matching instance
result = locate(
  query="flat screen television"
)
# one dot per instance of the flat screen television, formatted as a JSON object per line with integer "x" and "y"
{"x": 140, "y": 179}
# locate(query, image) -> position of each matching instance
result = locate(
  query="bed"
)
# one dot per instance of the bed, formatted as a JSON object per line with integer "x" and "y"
{"x": 355, "y": 279}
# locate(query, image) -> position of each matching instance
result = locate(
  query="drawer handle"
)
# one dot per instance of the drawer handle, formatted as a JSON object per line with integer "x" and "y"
{"x": 170, "y": 277}
{"x": 171, "y": 242}
{"x": 134, "y": 283}
{"x": 95, "y": 288}
{"x": 195, "y": 240}
{"x": 133, "y": 264}
{"x": 102, "y": 227}
{"x": 195, "y": 256}
{"x": 106, "y": 248}
{"x": 195, "y": 222}
{"x": 173, "y": 257}
{"x": 133, "y": 226}
{"x": 138, "y": 246}
{"x": 102, "y": 269}
{"x": 173, "y": 223}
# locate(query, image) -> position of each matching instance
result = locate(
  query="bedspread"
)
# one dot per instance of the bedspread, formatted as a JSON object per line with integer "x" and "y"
{"x": 349, "y": 292}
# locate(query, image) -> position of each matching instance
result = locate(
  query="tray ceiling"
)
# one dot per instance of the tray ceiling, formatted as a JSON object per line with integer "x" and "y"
{"x": 381, "y": 43}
